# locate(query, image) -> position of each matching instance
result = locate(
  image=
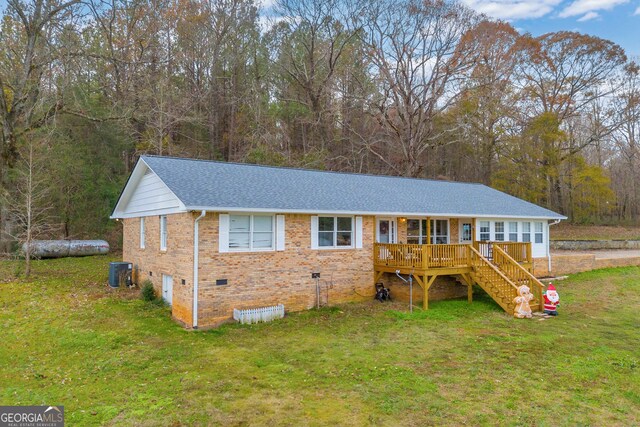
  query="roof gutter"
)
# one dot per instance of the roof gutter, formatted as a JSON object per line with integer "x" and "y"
{"x": 557, "y": 221}
{"x": 232, "y": 209}
{"x": 196, "y": 252}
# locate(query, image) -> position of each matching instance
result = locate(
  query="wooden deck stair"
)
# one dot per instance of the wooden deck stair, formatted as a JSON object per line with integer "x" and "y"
{"x": 502, "y": 278}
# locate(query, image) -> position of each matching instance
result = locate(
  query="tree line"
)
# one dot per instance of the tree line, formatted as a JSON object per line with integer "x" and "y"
{"x": 405, "y": 87}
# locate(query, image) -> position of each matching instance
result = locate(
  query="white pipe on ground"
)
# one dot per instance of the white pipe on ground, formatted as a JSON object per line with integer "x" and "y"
{"x": 195, "y": 268}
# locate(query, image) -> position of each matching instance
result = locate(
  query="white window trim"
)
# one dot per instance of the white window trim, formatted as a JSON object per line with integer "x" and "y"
{"x": 523, "y": 232}
{"x": 422, "y": 234}
{"x": 280, "y": 233}
{"x": 509, "y": 232}
{"x": 315, "y": 230}
{"x": 142, "y": 233}
{"x": 164, "y": 235}
{"x": 536, "y": 233}
{"x": 496, "y": 232}
{"x": 274, "y": 234}
{"x": 433, "y": 235}
{"x": 480, "y": 232}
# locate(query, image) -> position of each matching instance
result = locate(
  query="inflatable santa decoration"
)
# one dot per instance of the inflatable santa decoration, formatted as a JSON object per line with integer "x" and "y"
{"x": 551, "y": 300}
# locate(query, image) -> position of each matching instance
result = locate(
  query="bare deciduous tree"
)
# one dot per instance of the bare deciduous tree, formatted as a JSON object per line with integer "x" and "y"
{"x": 28, "y": 204}
{"x": 417, "y": 60}
{"x": 26, "y": 57}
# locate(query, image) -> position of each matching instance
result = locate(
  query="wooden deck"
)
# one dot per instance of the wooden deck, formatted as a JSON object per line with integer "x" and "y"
{"x": 440, "y": 258}
{"x": 498, "y": 267}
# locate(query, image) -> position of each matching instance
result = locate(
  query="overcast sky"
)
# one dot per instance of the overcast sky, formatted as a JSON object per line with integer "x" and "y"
{"x": 616, "y": 20}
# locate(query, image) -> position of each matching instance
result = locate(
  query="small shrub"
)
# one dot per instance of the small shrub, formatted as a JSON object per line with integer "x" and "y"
{"x": 148, "y": 293}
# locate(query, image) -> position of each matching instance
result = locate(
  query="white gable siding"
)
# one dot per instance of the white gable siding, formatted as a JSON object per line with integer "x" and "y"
{"x": 151, "y": 196}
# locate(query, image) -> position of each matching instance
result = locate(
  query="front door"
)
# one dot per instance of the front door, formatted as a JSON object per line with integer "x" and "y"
{"x": 466, "y": 231}
{"x": 387, "y": 230}
{"x": 167, "y": 288}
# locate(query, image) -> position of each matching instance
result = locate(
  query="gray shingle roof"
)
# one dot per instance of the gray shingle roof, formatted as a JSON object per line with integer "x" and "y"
{"x": 207, "y": 184}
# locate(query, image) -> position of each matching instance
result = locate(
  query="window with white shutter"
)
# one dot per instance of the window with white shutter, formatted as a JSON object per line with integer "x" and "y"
{"x": 334, "y": 232}
{"x": 251, "y": 233}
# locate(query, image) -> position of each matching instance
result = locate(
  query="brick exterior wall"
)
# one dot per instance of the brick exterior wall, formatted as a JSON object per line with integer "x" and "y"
{"x": 402, "y": 230}
{"x": 176, "y": 261}
{"x": 258, "y": 279}
{"x": 454, "y": 231}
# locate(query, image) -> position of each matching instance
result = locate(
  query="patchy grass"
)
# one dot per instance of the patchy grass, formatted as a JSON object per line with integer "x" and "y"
{"x": 566, "y": 231}
{"x": 111, "y": 358}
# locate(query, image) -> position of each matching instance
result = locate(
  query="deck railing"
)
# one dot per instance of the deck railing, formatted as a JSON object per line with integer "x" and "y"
{"x": 493, "y": 280}
{"x": 420, "y": 256}
{"x": 518, "y": 275}
{"x": 519, "y": 251}
{"x": 442, "y": 256}
{"x": 399, "y": 256}
{"x": 425, "y": 257}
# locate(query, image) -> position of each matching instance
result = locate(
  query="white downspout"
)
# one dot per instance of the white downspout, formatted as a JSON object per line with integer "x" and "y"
{"x": 195, "y": 268}
{"x": 557, "y": 221}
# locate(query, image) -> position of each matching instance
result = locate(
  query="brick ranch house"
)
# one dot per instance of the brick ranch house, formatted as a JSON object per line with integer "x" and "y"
{"x": 215, "y": 236}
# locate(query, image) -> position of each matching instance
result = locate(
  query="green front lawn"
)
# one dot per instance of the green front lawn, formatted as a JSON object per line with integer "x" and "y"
{"x": 111, "y": 358}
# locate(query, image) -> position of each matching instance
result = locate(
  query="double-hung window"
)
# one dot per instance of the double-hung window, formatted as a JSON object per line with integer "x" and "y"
{"x": 163, "y": 232}
{"x": 439, "y": 232}
{"x": 335, "y": 232}
{"x": 485, "y": 233}
{"x": 513, "y": 231}
{"x": 538, "y": 232}
{"x": 142, "y": 243}
{"x": 526, "y": 232}
{"x": 499, "y": 227}
{"x": 416, "y": 231}
{"x": 251, "y": 232}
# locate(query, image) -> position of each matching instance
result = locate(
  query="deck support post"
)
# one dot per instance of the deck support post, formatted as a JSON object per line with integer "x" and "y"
{"x": 428, "y": 281}
{"x": 425, "y": 294}
{"x": 469, "y": 283}
{"x": 377, "y": 276}
{"x": 473, "y": 232}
